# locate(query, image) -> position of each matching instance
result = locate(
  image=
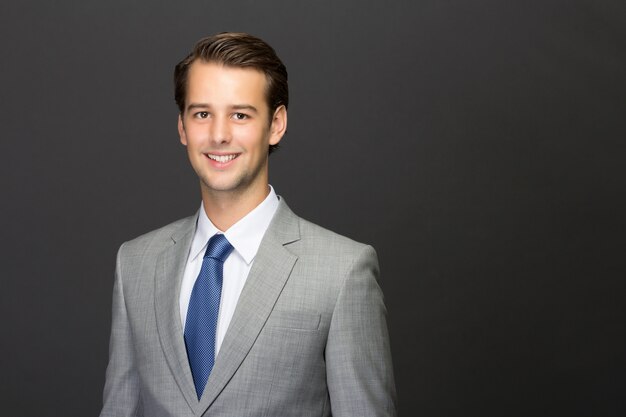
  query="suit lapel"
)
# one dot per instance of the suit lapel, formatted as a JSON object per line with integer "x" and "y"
{"x": 268, "y": 275}
{"x": 170, "y": 267}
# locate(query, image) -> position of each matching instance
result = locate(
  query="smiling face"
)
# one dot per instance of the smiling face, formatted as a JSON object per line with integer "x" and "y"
{"x": 227, "y": 130}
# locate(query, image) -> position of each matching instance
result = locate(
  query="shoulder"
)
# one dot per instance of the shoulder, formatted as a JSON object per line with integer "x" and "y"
{"x": 307, "y": 238}
{"x": 330, "y": 251}
{"x": 331, "y": 263}
{"x": 316, "y": 235}
{"x": 157, "y": 240}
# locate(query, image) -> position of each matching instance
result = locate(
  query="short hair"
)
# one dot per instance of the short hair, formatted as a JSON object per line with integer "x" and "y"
{"x": 239, "y": 50}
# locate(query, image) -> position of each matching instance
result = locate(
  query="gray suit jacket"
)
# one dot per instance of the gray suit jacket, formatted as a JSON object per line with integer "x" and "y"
{"x": 308, "y": 336}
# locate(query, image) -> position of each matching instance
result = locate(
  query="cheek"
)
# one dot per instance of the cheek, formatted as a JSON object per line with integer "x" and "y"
{"x": 252, "y": 136}
{"x": 195, "y": 137}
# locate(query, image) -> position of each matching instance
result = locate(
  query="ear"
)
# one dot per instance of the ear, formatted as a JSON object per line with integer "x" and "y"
{"x": 181, "y": 130}
{"x": 279, "y": 125}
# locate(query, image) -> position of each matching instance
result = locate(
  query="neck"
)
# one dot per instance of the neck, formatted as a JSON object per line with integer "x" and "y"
{"x": 224, "y": 209}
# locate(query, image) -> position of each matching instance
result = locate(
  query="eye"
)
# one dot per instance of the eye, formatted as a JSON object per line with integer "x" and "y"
{"x": 201, "y": 115}
{"x": 240, "y": 116}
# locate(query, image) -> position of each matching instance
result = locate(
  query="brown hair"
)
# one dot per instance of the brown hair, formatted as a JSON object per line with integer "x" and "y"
{"x": 237, "y": 50}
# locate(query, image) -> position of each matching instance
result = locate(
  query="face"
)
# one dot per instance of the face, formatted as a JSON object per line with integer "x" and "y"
{"x": 227, "y": 130}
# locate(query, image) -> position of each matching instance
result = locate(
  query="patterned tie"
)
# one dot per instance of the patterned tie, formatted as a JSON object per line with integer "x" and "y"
{"x": 204, "y": 307}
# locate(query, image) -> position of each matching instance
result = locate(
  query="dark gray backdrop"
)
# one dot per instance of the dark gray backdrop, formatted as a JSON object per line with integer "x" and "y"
{"x": 477, "y": 145}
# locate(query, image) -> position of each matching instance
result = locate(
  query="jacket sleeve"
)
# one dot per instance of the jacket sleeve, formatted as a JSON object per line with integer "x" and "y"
{"x": 121, "y": 388}
{"x": 358, "y": 357}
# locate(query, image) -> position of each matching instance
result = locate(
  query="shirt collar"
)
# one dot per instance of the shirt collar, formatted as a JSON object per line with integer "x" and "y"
{"x": 245, "y": 235}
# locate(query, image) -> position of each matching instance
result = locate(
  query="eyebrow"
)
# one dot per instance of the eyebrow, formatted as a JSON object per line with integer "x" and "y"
{"x": 197, "y": 106}
{"x": 245, "y": 107}
{"x": 249, "y": 107}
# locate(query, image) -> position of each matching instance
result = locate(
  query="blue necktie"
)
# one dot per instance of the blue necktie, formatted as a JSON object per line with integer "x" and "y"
{"x": 204, "y": 307}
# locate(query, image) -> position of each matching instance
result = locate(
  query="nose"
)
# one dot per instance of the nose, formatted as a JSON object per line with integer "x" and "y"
{"x": 220, "y": 130}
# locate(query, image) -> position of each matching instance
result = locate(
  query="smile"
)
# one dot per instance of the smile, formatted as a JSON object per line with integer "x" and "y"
{"x": 222, "y": 158}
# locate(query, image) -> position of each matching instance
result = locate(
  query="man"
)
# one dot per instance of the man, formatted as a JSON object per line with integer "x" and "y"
{"x": 244, "y": 309}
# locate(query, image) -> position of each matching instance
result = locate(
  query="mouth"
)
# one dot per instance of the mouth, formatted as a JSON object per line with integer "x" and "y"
{"x": 222, "y": 159}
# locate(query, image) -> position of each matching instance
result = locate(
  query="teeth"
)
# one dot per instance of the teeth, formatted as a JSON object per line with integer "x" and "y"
{"x": 222, "y": 158}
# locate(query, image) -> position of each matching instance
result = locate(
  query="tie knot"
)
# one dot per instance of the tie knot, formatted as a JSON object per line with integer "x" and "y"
{"x": 218, "y": 248}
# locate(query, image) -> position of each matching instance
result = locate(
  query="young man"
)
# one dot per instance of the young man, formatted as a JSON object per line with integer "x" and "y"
{"x": 244, "y": 309}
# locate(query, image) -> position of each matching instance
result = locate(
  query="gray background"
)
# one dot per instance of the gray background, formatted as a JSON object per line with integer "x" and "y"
{"x": 477, "y": 145}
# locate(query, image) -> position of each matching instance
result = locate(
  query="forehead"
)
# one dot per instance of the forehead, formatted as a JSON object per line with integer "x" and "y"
{"x": 219, "y": 84}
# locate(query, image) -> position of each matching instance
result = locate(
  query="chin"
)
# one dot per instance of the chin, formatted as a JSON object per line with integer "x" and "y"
{"x": 220, "y": 186}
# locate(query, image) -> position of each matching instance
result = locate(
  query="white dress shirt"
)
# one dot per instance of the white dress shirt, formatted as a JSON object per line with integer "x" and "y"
{"x": 245, "y": 236}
